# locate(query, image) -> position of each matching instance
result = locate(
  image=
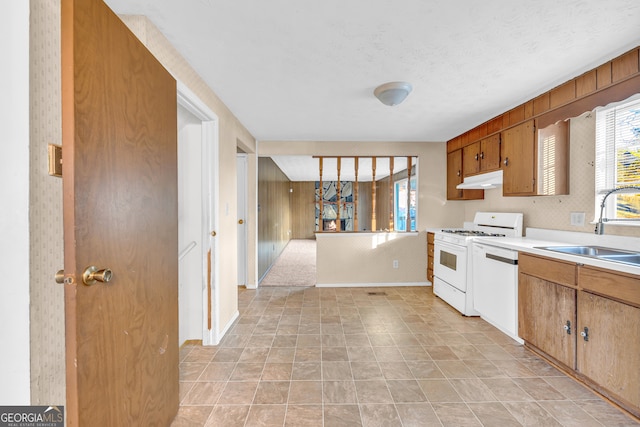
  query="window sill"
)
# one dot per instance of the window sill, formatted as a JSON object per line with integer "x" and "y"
{"x": 618, "y": 223}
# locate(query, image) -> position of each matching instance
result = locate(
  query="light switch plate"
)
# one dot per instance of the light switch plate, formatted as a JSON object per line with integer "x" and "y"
{"x": 55, "y": 160}
{"x": 577, "y": 219}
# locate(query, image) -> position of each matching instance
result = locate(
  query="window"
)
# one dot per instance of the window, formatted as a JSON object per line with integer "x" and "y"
{"x": 618, "y": 160}
{"x": 400, "y": 204}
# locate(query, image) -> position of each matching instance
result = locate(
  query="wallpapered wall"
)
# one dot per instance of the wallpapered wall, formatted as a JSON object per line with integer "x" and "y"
{"x": 47, "y": 297}
{"x": 554, "y": 212}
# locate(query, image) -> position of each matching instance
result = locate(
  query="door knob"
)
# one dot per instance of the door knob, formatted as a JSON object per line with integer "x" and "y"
{"x": 241, "y": 221}
{"x": 213, "y": 234}
{"x": 92, "y": 275}
{"x": 60, "y": 276}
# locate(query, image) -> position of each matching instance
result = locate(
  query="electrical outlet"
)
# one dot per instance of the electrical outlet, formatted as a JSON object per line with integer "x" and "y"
{"x": 577, "y": 219}
{"x": 395, "y": 263}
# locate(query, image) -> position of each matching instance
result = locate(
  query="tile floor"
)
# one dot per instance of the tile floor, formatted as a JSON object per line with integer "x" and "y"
{"x": 342, "y": 357}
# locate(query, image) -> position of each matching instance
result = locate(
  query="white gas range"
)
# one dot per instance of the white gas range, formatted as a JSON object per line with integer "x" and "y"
{"x": 452, "y": 267}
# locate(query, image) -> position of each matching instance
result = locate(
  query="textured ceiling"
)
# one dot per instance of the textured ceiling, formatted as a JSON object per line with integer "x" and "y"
{"x": 298, "y": 70}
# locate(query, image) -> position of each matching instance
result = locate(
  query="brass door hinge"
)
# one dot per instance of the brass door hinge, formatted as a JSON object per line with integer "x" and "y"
{"x": 55, "y": 160}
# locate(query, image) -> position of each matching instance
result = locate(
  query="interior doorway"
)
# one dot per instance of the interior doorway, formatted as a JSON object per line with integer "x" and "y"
{"x": 197, "y": 208}
{"x": 241, "y": 168}
{"x": 190, "y": 232}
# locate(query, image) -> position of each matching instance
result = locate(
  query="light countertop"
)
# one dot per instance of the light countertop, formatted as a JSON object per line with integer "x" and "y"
{"x": 534, "y": 244}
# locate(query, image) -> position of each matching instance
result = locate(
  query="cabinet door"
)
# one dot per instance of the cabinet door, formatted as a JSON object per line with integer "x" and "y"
{"x": 544, "y": 308}
{"x": 454, "y": 177}
{"x": 454, "y": 174}
{"x": 519, "y": 160}
{"x": 611, "y": 356}
{"x": 471, "y": 159}
{"x": 490, "y": 153}
{"x": 430, "y": 255}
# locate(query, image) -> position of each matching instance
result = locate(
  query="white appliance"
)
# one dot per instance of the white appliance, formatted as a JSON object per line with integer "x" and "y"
{"x": 453, "y": 267}
{"x": 495, "y": 286}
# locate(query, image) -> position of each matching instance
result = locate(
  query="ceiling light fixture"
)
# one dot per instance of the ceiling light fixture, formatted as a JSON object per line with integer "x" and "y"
{"x": 393, "y": 93}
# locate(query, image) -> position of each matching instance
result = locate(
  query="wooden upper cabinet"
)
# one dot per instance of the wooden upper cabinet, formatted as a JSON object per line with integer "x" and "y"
{"x": 490, "y": 153}
{"x": 519, "y": 160}
{"x": 481, "y": 156}
{"x": 455, "y": 177}
{"x": 471, "y": 159}
{"x": 535, "y": 163}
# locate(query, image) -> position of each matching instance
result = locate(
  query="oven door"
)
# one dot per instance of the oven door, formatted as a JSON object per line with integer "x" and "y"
{"x": 450, "y": 264}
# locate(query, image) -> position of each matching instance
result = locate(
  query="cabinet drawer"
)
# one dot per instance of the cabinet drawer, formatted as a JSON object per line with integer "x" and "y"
{"x": 620, "y": 286}
{"x": 553, "y": 270}
{"x": 430, "y": 251}
{"x": 430, "y": 237}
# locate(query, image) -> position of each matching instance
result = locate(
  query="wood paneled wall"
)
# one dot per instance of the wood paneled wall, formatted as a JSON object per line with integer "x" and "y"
{"x": 274, "y": 213}
{"x": 364, "y": 206}
{"x": 303, "y": 210}
{"x": 384, "y": 196}
{"x": 383, "y": 209}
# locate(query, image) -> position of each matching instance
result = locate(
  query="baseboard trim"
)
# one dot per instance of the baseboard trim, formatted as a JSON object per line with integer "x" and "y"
{"x": 228, "y": 326}
{"x": 370, "y": 285}
{"x": 191, "y": 342}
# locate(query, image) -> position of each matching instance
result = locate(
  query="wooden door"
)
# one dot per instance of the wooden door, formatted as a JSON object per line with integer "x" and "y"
{"x": 119, "y": 117}
{"x": 611, "y": 355}
{"x": 518, "y": 151}
{"x": 543, "y": 311}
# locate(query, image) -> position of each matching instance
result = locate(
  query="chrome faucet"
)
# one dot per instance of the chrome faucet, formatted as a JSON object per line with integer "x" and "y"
{"x": 627, "y": 189}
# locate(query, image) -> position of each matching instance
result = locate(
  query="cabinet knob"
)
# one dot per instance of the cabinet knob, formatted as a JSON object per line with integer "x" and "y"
{"x": 482, "y": 155}
{"x": 458, "y": 173}
{"x": 567, "y": 327}
{"x": 506, "y": 161}
{"x": 476, "y": 157}
{"x": 585, "y": 334}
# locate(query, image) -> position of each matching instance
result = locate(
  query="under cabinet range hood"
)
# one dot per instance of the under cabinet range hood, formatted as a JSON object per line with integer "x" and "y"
{"x": 482, "y": 182}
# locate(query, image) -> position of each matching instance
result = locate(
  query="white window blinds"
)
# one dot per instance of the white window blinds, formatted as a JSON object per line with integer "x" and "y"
{"x": 618, "y": 159}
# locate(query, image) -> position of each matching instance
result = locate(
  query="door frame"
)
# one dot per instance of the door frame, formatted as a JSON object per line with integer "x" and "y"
{"x": 243, "y": 267}
{"x": 210, "y": 195}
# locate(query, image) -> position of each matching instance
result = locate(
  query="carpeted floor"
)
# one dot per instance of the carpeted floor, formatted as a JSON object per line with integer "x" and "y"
{"x": 296, "y": 265}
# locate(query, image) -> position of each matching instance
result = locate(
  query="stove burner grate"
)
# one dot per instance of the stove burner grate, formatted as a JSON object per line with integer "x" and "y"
{"x": 463, "y": 232}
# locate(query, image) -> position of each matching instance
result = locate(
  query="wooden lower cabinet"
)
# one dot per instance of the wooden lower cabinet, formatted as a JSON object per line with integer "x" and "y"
{"x": 546, "y": 317}
{"x": 611, "y": 356}
{"x": 605, "y": 355}
{"x": 430, "y": 254}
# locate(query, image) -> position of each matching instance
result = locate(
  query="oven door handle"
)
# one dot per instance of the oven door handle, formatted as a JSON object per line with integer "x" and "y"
{"x": 450, "y": 246}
